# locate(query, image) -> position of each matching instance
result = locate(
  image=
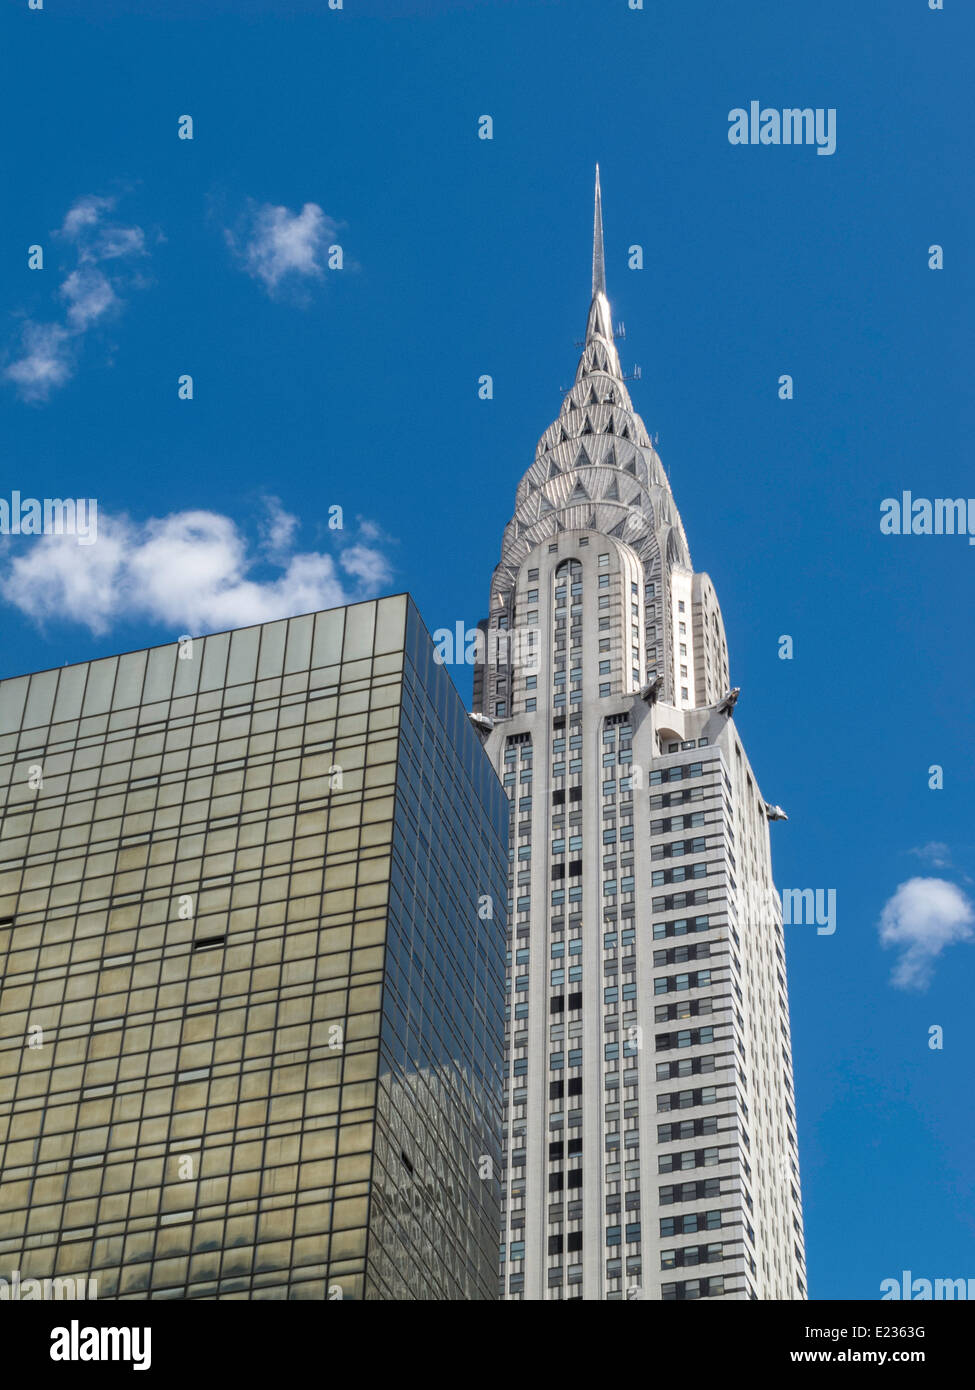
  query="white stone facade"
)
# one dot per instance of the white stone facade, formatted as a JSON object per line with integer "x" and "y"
{"x": 651, "y": 1134}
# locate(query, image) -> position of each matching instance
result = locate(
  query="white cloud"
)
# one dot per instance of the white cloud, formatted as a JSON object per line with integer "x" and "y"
{"x": 47, "y": 358}
{"x": 924, "y": 916}
{"x": 366, "y": 563}
{"x": 114, "y": 242}
{"x": 936, "y": 854}
{"x": 45, "y": 361}
{"x": 278, "y": 529}
{"x": 191, "y": 571}
{"x": 85, "y": 212}
{"x": 89, "y": 295}
{"x": 274, "y": 244}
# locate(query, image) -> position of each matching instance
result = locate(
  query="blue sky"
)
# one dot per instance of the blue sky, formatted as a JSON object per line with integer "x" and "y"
{"x": 317, "y": 387}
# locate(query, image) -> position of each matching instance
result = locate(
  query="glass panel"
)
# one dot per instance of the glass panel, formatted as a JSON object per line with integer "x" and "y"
{"x": 13, "y": 694}
{"x": 390, "y": 623}
{"x": 299, "y": 643}
{"x": 128, "y": 682}
{"x": 40, "y": 701}
{"x": 71, "y": 687}
{"x": 159, "y": 674}
{"x": 327, "y": 649}
{"x": 360, "y": 621}
{"x": 244, "y": 645}
{"x": 272, "y": 649}
{"x": 215, "y": 651}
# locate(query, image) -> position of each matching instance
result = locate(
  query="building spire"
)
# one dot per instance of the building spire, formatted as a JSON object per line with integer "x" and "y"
{"x": 598, "y": 262}
{"x": 599, "y": 323}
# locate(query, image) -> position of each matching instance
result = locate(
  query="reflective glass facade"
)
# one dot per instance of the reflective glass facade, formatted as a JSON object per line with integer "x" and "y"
{"x": 251, "y": 1006}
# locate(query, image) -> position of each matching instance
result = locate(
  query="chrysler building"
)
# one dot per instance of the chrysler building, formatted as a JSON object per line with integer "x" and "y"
{"x": 650, "y": 1128}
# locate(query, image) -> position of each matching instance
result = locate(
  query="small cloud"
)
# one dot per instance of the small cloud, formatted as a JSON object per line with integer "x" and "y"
{"x": 192, "y": 571}
{"x": 83, "y": 214}
{"x": 278, "y": 529}
{"x": 89, "y": 295}
{"x": 47, "y": 357}
{"x": 370, "y": 531}
{"x": 114, "y": 242}
{"x": 367, "y": 564}
{"x": 933, "y": 853}
{"x": 45, "y": 360}
{"x": 277, "y": 246}
{"x": 923, "y": 917}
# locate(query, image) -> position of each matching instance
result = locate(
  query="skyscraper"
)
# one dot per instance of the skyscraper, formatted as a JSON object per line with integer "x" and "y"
{"x": 650, "y": 1128}
{"x": 252, "y": 969}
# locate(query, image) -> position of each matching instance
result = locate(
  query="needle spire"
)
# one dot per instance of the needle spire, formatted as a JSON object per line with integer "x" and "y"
{"x": 598, "y": 262}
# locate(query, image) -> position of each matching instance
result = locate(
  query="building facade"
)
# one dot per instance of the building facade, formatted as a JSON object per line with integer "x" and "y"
{"x": 650, "y": 1123}
{"x": 251, "y": 1006}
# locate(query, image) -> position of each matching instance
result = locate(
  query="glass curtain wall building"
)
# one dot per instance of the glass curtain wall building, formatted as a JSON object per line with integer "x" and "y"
{"x": 252, "y": 934}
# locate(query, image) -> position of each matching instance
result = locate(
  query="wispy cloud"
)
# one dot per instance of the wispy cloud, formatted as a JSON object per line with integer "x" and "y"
{"x": 48, "y": 352}
{"x": 923, "y": 917}
{"x": 192, "y": 571}
{"x": 282, "y": 248}
{"x": 45, "y": 362}
{"x": 935, "y": 853}
{"x": 277, "y": 529}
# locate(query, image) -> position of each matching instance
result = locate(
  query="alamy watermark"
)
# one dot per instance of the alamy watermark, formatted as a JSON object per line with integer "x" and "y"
{"x": 907, "y": 1287}
{"x": 908, "y": 515}
{"x": 50, "y": 516}
{"x": 793, "y": 125}
{"x": 18, "y": 1290}
{"x": 800, "y": 906}
{"x": 463, "y": 646}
